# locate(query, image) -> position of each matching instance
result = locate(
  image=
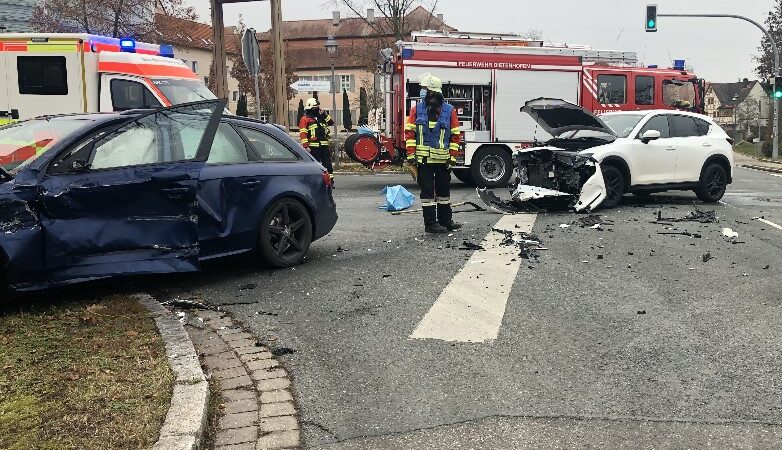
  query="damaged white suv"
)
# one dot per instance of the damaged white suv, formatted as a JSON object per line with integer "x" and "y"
{"x": 593, "y": 161}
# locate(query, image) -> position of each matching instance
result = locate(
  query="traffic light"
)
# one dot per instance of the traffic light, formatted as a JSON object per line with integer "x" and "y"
{"x": 777, "y": 88}
{"x": 651, "y": 18}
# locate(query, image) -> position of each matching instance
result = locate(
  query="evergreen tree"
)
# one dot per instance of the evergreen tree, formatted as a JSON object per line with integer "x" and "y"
{"x": 347, "y": 119}
{"x": 300, "y": 112}
{"x": 363, "y": 107}
{"x": 241, "y": 106}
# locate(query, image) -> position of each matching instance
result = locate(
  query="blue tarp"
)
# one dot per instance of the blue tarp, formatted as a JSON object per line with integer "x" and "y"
{"x": 397, "y": 198}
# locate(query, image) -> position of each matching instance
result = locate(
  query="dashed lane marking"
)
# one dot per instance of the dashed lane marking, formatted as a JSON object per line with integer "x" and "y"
{"x": 768, "y": 222}
{"x": 471, "y": 307}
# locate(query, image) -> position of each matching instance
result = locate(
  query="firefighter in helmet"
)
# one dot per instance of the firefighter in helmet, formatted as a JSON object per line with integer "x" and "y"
{"x": 315, "y": 133}
{"x": 432, "y": 137}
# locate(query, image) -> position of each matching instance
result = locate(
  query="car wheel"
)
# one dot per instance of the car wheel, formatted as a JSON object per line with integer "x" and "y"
{"x": 464, "y": 176}
{"x": 285, "y": 233}
{"x": 615, "y": 186}
{"x": 712, "y": 185}
{"x": 491, "y": 167}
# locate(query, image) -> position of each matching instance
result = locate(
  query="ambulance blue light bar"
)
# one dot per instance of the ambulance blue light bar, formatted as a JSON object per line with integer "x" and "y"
{"x": 127, "y": 45}
{"x": 167, "y": 50}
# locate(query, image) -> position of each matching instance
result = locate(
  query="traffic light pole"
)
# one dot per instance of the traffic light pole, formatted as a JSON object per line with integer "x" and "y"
{"x": 775, "y": 135}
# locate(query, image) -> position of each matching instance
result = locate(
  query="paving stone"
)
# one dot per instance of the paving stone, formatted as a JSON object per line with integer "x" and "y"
{"x": 222, "y": 361}
{"x": 273, "y": 384}
{"x": 229, "y": 331}
{"x": 227, "y": 374}
{"x": 218, "y": 324}
{"x": 277, "y": 409}
{"x": 243, "y": 336}
{"x": 266, "y": 374}
{"x": 278, "y": 440}
{"x": 236, "y": 436}
{"x": 233, "y": 395}
{"x": 233, "y": 383}
{"x": 281, "y": 395}
{"x": 262, "y": 364}
{"x": 247, "y": 357}
{"x": 280, "y": 423}
{"x": 240, "y": 406}
{"x": 239, "y": 420}
{"x": 209, "y": 315}
{"x": 242, "y": 344}
{"x": 249, "y": 350}
{"x": 212, "y": 348}
{"x": 245, "y": 446}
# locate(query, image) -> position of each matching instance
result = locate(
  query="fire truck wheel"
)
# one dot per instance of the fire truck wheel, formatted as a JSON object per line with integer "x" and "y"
{"x": 464, "y": 176}
{"x": 491, "y": 167}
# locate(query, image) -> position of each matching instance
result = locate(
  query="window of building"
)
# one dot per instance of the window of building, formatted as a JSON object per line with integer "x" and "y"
{"x": 195, "y": 66}
{"x": 235, "y": 95}
{"x": 42, "y": 75}
{"x": 346, "y": 83}
{"x": 710, "y": 100}
{"x": 644, "y": 90}
{"x": 206, "y": 81}
{"x": 612, "y": 89}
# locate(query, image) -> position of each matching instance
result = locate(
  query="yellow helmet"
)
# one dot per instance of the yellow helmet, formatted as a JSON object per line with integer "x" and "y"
{"x": 311, "y": 103}
{"x": 431, "y": 83}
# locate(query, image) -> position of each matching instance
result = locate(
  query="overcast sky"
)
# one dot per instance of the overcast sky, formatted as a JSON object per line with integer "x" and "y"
{"x": 720, "y": 50}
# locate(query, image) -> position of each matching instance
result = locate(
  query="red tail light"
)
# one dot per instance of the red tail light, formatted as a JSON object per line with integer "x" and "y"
{"x": 327, "y": 179}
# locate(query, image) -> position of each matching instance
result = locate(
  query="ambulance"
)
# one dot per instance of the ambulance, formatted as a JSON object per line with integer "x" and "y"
{"x": 46, "y": 73}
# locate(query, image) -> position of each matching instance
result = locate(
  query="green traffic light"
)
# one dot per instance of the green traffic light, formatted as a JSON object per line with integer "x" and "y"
{"x": 650, "y": 24}
{"x": 777, "y": 94}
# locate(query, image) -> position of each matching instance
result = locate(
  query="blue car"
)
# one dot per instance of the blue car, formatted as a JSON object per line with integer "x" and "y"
{"x": 90, "y": 196}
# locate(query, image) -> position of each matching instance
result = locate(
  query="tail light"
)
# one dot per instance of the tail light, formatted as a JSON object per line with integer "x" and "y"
{"x": 327, "y": 179}
{"x": 730, "y": 140}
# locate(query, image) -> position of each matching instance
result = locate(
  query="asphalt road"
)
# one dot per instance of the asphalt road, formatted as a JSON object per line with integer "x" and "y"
{"x": 620, "y": 337}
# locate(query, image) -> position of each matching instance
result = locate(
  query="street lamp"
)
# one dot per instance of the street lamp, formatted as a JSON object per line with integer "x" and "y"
{"x": 331, "y": 47}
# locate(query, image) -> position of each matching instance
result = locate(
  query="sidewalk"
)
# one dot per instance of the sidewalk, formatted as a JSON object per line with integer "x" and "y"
{"x": 763, "y": 164}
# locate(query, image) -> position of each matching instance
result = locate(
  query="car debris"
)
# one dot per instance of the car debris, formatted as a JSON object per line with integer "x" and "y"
{"x": 692, "y": 216}
{"x": 707, "y": 257}
{"x": 728, "y": 232}
{"x": 529, "y": 244}
{"x": 470, "y": 246}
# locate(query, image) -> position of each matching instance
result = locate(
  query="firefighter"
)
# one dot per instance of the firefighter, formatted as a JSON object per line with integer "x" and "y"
{"x": 432, "y": 139}
{"x": 315, "y": 133}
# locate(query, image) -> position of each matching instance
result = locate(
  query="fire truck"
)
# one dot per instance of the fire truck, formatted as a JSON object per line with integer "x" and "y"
{"x": 47, "y": 73}
{"x": 488, "y": 77}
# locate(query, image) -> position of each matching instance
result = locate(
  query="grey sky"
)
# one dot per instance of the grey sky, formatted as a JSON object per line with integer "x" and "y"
{"x": 719, "y": 50}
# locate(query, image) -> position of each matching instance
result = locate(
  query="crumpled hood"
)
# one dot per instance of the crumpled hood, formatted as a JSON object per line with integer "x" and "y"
{"x": 557, "y": 116}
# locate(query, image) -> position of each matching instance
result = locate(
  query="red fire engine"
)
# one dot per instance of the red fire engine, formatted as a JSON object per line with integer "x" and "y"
{"x": 489, "y": 77}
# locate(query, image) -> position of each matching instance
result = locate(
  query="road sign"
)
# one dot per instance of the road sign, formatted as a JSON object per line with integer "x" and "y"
{"x": 312, "y": 86}
{"x": 250, "y": 51}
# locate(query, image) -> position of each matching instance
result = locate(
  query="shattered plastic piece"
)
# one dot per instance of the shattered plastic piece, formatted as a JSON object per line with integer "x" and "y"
{"x": 727, "y": 232}
{"x": 707, "y": 257}
{"x": 564, "y": 225}
{"x": 470, "y": 246}
{"x": 768, "y": 266}
{"x": 397, "y": 198}
{"x": 692, "y": 216}
{"x": 643, "y": 311}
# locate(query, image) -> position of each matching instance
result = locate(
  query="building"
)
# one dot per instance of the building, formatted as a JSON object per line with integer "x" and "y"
{"x": 739, "y": 107}
{"x": 15, "y": 16}
{"x": 359, "y": 40}
{"x": 192, "y": 43}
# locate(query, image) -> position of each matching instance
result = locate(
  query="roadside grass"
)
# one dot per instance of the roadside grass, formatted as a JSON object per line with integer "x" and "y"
{"x": 746, "y": 148}
{"x": 82, "y": 375}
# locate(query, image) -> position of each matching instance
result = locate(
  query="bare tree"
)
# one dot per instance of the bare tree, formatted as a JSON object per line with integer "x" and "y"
{"x": 117, "y": 18}
{"x": 747, "y": 114}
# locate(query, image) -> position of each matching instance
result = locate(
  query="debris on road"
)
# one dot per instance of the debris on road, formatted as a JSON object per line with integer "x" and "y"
{"x": 397, "y": 198}
{"x": 707, "y": 256}
{"x": 248, "y": 286}
{"x": 692, "y": 216}
{"x": 528, "y": 244}
{"x": 592, "y": 221}
{"x": 280, "y": 351}
{"x": 564, "y": 225}
{"x": 727, "y": 232}
{"x": 470, "y": 246}
{"x": 643, "y": 311}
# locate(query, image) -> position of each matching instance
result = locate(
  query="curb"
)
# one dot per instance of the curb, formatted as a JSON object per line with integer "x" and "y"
{"x": 762, "y": 168}
{"x": 186, "y": 418}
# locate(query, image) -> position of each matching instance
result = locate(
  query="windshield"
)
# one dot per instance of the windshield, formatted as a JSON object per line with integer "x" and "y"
{"x": 679, "y": 94}
{"x": 22, "y": 142}
{"x": 622, "y": 124}
{"x": 183, "y": 91}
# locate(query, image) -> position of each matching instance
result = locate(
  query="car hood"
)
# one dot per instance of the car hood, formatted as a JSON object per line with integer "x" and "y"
{"x": 557, "y": 116}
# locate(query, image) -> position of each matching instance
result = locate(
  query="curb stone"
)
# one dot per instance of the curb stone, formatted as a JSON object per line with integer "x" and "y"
{"x": 258, "y": 411}
{"x": 763, "y": 168}
{"x": 185, "y": 422}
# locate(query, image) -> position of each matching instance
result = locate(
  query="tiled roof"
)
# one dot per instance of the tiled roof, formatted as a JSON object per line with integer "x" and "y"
{"x": 190, "y": 34}
{"x": 732, "y": 94}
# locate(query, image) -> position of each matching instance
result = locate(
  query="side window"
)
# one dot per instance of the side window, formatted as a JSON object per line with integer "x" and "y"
{"x": 644, "y": 90}
{"x": 683, "y": 126}
{"x": 126, "y": 94}
{"x": 172, "y": 134}
{"x": 659, "y": 123}
{"x": 703, "y": 127}
{"x": 612, "y": 89}
{"x": 228, "y": 147}
{"x": 267, "y": 147}
{"x": 42, "y": 75}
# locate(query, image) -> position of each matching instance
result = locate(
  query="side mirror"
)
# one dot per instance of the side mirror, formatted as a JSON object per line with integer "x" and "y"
{"x": 649, "y": 136}
{"x": 79, "y": 166}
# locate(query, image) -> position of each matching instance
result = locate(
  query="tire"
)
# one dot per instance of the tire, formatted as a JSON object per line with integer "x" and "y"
{"x": 712, "y": 185}
{"x": 465, "y": 176}
{"x": 286, "y": 218}
{"x": 615, "y": 186}
{"x": 491, "y": 167}
{"x": 642, "y": 194}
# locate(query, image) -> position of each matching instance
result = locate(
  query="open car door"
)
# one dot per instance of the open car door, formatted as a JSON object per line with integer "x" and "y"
{"x": 124, "y": 201}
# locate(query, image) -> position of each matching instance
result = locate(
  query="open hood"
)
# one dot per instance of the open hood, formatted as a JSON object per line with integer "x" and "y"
{"x": 558, "y": 116}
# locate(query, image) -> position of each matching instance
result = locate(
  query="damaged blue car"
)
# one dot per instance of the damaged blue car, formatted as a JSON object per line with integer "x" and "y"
{"x": 91, "y": 196}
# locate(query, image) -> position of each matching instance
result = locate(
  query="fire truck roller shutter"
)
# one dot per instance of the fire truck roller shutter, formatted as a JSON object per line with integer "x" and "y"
{"x": 476, "y": 77}
{"x": 514, "y": 87}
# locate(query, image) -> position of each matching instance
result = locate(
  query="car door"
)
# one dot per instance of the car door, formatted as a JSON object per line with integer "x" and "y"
{"x": 229, "y": 186}
{"x": 689, "y": 147}
{"x": 654, "y": 162}
{"x": 125, "y": 201}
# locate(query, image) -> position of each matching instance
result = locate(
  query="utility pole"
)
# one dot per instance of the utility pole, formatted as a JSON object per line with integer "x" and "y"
{"x": 775, "y": 133}
{"x": 280, "y": 85}
{"x": 218, "y": 53}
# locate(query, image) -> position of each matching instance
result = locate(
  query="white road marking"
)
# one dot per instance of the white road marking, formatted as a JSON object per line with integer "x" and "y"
{"x": 471, "y": 307}
{"x": 768, "y": 222}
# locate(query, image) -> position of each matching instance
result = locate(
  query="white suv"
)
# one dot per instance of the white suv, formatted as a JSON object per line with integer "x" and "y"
{"x": 595, "y": 160}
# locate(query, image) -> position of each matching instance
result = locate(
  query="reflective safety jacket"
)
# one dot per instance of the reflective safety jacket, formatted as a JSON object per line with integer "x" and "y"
{"x": 315, "y": 131}
{"x": 433, "y": 142}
